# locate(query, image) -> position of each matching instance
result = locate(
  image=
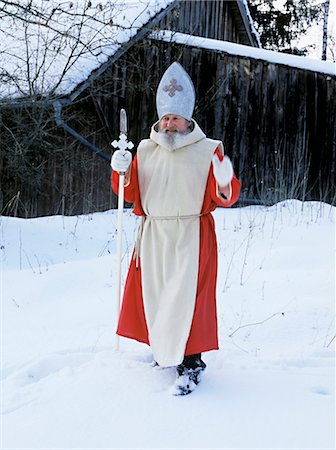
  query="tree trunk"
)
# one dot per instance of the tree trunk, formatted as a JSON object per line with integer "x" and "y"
{"x": 325, "y": 30}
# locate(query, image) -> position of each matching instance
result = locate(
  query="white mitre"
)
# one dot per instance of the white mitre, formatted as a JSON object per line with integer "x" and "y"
{"x": 175, "y": 93}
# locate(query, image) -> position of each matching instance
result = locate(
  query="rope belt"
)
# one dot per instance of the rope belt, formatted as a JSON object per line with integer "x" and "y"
{"x": 148, "y": 217}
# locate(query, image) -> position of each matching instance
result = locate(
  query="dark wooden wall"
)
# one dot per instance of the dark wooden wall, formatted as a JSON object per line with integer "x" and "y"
{"x": 277, "y": 124}
{"x": 45, "y": 171}
{"x": 211, "y": 19}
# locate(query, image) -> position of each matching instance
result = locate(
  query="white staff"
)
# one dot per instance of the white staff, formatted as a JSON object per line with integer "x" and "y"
{"x": 123, "y": 144}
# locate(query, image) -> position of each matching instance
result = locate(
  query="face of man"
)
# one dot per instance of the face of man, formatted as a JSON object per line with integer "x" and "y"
{"x": 171, "y": 124}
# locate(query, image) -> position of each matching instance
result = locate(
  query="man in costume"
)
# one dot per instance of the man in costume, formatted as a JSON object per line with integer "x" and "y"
{"x": 176, "y": 179}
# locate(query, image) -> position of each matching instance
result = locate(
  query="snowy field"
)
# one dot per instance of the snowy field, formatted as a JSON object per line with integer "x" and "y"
{"x": 270, "y": 386}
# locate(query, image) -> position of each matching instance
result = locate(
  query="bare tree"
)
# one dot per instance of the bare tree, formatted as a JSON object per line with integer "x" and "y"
{"x": 332, "y": 47}
{"x": 325, "y": 29}
{"x": 46, "y": 49}
{"x": 42, "y": 48}
{"x": 43, "y": 44}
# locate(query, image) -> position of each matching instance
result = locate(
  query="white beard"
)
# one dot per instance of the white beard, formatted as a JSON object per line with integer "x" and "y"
{"x": 177, "y": 140}
{"x": 173, "y": 141}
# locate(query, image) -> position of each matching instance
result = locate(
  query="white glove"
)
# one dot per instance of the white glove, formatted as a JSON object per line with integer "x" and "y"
{"x": 121, "y": 159}
{"x": 223, "y": 170}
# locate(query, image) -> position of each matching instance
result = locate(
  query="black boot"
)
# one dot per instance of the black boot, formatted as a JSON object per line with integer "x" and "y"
{"x": 194, "y": 365}
{"x": 194, "y": 362}
{"x": 188, "y": 374}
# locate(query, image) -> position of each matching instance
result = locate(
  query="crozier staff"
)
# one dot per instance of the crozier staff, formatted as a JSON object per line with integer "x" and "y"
{"x": 176, "y": 179}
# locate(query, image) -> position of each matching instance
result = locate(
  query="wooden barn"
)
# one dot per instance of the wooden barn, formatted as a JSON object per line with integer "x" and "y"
{"x": 275, "y": 114}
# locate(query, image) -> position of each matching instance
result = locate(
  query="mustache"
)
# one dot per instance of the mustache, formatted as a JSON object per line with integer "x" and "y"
{"x": 166, "y": 130}
{"x": 178, "y": 133}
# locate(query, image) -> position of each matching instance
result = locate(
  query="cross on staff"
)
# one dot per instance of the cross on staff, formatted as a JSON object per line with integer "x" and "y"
{"x": 123, "y": 143}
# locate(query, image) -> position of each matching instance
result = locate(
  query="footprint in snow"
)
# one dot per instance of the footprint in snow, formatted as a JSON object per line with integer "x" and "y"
{"x": 320, "y": 390}
{"x": 22, "y": 384}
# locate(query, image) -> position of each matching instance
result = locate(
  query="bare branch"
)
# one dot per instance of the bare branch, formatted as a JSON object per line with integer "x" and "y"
{"x": 256, "y": 323}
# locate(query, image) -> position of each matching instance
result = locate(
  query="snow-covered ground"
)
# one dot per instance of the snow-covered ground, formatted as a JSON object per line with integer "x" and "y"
{"x": 271, "y": 385}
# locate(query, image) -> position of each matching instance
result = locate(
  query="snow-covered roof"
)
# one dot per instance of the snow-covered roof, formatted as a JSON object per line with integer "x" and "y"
{"x": 49, "y": 47}
{"x": 231, "y": 48}
{"x": 52, "y": 46}
{"x": 247, "y": 19}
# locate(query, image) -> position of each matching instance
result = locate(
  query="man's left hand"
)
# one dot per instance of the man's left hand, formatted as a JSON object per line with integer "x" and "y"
{"x": 223, "y": 170}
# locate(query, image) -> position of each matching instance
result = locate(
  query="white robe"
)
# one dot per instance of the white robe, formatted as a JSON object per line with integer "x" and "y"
{"x": 172, "y": 184}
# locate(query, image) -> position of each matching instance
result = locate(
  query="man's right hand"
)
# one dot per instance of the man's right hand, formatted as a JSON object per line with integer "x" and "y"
{"x": 121, "y": 159}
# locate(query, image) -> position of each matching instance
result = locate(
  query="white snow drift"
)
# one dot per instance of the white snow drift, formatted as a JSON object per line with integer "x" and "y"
{"x": 271, "y": 385}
